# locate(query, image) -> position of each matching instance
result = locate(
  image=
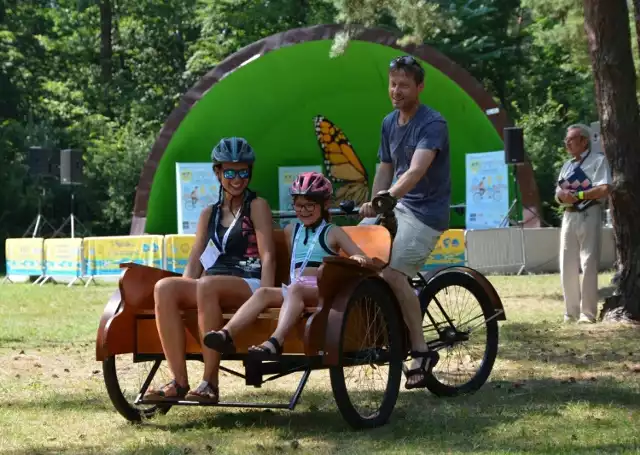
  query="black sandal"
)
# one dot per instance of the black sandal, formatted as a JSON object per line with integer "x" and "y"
{"x": 160, "y": 393}
{"x": 263, "y": 352}
{"x": 221, "y": 341}
{"x": 429, "y": 360}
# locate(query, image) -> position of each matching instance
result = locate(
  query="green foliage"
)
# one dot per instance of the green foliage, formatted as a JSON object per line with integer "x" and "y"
{"x": 115, "y": 156}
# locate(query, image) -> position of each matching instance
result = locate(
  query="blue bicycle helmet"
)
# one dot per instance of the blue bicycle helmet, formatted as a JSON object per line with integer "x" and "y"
{"x": 233, "y": 150}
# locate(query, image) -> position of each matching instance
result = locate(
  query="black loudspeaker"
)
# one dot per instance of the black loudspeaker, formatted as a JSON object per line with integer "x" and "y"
{"x": 41, "y": 162}
{"x": 71, "y": 167}
{"x": 513, "y": 145}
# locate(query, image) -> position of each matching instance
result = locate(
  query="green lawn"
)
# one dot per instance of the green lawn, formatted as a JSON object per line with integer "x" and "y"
{"x": 554, "y": 389}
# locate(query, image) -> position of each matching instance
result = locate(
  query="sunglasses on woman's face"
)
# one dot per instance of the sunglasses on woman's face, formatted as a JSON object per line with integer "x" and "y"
{"x": 230, "y": 174}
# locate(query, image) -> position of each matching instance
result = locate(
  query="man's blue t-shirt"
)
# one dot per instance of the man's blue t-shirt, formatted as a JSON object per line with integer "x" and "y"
{"x": 430, "y": 199}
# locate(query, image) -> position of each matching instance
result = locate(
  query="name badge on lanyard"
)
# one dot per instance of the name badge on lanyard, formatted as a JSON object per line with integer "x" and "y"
{"x": 211, "y": 253}
{"x": 292, "y": 270}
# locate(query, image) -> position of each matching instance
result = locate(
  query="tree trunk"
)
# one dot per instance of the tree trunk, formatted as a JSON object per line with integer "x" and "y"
{"x": 106, "y": 49}
{"x": 636, "y": 6}
{"x": 609, "y": 37}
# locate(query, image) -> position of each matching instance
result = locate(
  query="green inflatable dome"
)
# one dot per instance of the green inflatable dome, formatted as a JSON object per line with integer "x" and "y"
{"x": 273, "y": 92}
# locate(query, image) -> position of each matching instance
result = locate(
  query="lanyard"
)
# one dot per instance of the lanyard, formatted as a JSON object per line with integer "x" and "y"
{"x": 292, "y": 272}
{"x": 225, "y": 237}
{"x": 581, "y": 161}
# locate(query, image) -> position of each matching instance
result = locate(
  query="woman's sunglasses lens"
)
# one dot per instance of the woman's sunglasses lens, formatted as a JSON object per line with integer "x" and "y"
{"x": 230, "y": 174}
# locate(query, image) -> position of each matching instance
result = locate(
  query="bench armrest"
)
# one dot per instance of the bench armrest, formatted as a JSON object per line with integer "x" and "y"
{"x": 137, "y": 283}
{"x": 337, "y": 277}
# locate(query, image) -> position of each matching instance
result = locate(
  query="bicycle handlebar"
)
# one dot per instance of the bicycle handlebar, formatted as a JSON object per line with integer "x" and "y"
{"x": 346, "y": 208}
{"x": 382, "y": 204}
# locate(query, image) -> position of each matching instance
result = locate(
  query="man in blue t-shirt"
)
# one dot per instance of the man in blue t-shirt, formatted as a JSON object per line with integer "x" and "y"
{"x": 415, "y": 147}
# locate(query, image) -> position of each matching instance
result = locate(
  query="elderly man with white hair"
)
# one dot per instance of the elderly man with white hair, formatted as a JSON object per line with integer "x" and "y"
{"x": 582, "y": 190}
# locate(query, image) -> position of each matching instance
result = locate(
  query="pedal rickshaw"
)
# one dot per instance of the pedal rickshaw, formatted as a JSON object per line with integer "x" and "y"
{"x": 357, "y": 322}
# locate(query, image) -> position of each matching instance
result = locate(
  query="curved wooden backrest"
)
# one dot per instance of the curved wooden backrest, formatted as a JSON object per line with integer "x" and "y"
{"x": 373, "y": 240}
{"x": 283, "y": 256}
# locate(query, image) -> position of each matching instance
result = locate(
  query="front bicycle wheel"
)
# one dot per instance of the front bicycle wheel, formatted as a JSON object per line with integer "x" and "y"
{"x": 366, "y": 381}
{"x": 460, "y": 322}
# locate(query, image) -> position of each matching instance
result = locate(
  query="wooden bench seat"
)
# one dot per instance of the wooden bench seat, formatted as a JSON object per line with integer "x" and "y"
{"x": 133, "y": 327}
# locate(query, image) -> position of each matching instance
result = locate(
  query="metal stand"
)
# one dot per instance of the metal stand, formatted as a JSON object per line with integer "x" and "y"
{"x": 508, "y": 220}
{"x": 71, "y": 219}
{"x": 39, "y": 221}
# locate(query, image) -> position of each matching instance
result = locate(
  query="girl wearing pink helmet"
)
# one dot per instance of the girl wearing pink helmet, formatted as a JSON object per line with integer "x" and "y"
{"x": 312, "y": 238}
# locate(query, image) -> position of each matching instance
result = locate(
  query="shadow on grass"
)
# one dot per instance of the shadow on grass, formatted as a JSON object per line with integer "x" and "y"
{"x": 603, "y": 293}
{"x": 59, "y": 402}
{"x": 587, "y": 347}
{"x": 420, "y": 422}
{"x": 458, "y": 424}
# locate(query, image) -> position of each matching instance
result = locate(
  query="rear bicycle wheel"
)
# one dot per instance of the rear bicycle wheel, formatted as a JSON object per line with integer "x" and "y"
{"x": 459, "y": 321}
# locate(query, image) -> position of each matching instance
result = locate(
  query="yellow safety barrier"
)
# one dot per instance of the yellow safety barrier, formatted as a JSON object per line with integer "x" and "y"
{"x": 176, "y": 251}
{"x": 63, "y": 259}
{"x": 25, "y": 257}
{"x": 103, "y": 255}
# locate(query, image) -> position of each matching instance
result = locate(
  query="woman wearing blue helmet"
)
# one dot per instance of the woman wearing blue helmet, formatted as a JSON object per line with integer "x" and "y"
{"x": 233, "y": 255}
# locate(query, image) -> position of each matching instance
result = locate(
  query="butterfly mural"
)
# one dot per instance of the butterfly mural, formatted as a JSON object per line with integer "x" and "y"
{"x": 342, "y": 165}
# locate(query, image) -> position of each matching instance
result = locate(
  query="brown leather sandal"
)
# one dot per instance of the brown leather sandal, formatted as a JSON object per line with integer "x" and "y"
{"x": 204, "y": 393}
{"x": 171, "y": 391}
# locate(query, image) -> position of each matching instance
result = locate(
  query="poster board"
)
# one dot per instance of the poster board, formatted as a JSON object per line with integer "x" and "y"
{"x": 487, "y": 190}
{"x": 196, "y": 187}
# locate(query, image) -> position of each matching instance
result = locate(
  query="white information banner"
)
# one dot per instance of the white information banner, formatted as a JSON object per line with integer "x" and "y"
{"x": 197, "y": 187}
{"x": 487, "y": 190}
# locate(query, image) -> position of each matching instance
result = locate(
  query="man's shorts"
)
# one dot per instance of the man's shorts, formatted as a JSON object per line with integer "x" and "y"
{"x": 413, "y": 242}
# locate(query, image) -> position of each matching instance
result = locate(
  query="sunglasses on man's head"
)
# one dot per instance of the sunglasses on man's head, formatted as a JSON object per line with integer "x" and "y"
{"x": 404, "y": 60}
{"x": 230, "y": 174}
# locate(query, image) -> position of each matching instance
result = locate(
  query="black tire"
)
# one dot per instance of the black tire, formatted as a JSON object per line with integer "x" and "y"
{"x": 451, "y": 278}
{"x": 380, "y": 297}
{"x": 124, "y": 406}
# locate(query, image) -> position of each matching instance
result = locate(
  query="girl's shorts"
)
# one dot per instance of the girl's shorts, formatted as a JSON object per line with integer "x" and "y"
{"x": 308, "y": 281}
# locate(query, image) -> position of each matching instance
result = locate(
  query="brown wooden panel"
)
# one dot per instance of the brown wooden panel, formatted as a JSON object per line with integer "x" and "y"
{"x": 337, "y": 279}
{"x": 373, "y": 240}
{"x": 101, "y": 338}
{"x": 148, "y": 341}
{"x": 283, "y": 256}
{"x": 119, "y": 337}
{"x": 137, "y": 283}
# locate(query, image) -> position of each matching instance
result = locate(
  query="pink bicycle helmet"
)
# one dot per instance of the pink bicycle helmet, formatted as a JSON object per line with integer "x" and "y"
{"x": 311, "y": 184}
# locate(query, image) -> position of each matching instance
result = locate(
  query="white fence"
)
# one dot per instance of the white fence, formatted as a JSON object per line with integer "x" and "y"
{"x": 499, "y": 251}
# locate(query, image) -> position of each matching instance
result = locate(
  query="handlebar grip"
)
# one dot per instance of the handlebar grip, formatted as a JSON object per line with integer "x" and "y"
{"x": 383, "y": 203}
{"x": 347, "y": 206}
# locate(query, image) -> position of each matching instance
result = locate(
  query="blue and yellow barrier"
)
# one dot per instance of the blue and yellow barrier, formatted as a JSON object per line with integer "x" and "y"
{"x": 25, "y": 257}
{"x": 103, "y": 255}
{"x": 63, "y": 258}
{"x": 450, "y": 250}
{"x": 176, "y": 251}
